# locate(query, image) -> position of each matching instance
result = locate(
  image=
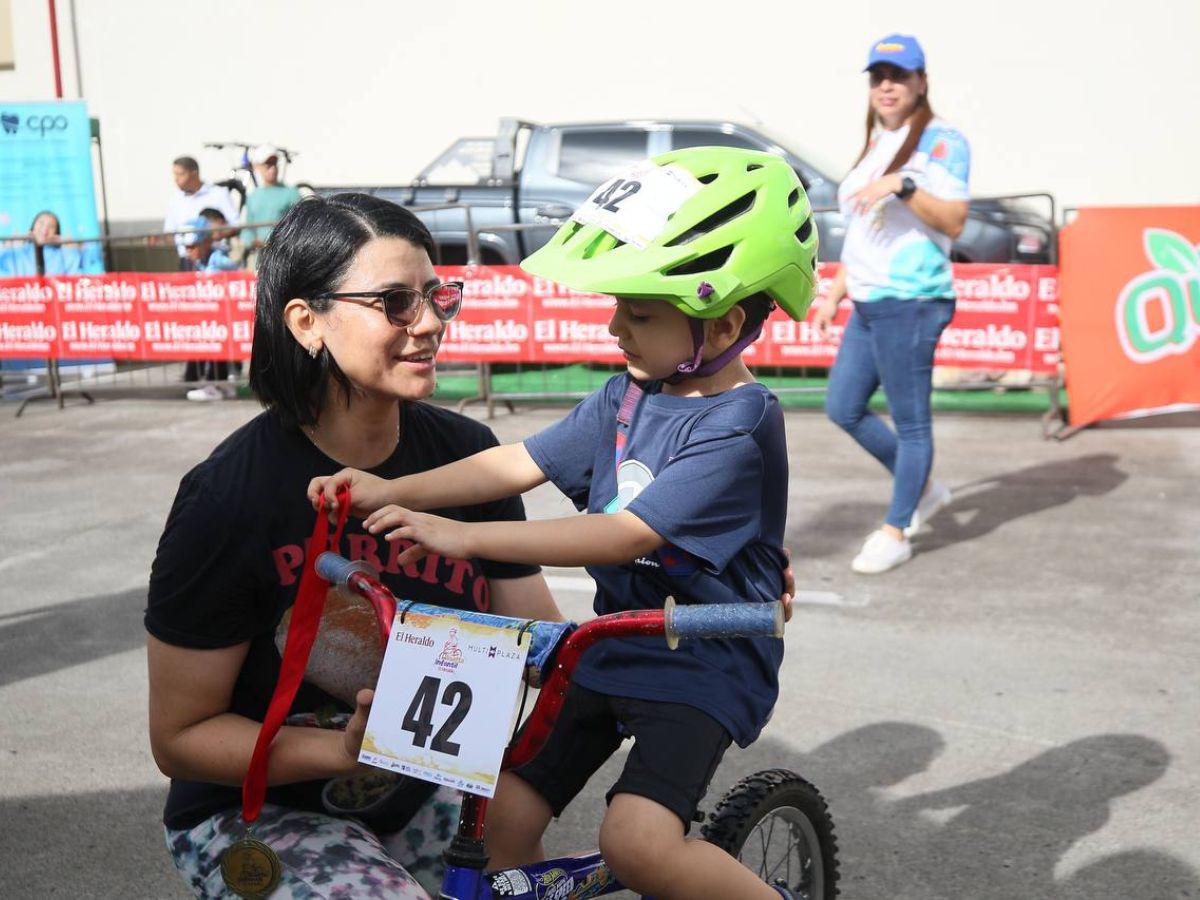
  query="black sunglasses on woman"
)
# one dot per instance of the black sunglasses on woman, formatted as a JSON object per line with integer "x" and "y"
{"x": 402, "y": 306}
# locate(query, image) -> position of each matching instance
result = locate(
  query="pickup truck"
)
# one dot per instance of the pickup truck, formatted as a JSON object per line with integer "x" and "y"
{"x": 498, "y": 199}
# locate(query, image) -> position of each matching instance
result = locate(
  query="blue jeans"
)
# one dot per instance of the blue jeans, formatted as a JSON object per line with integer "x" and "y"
{"x": 891, "y": 342}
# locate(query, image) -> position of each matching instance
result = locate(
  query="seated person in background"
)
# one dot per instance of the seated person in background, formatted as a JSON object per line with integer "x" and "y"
{"x": 207, "y": 250}
{"x": 60, "y": 256}
{"x": 208, "y": 254}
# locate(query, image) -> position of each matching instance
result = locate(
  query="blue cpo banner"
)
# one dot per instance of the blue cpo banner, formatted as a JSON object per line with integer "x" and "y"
{"x": 46, "y": 166}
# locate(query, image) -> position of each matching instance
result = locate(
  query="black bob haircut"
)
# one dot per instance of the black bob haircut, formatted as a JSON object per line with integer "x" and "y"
{"x": 309, "y": 252}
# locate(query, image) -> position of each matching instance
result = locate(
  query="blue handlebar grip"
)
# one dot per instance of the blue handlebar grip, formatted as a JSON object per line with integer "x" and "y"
{"x": 723, "y": 620}
{"x": 337, "y": 569}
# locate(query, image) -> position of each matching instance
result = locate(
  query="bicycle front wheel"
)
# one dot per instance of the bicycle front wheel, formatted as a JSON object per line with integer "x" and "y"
{"x": 778, "y": 825}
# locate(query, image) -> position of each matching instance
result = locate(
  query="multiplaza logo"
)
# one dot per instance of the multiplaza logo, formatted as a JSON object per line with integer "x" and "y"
{"x": 1158, "y": 312}
{"x": 41, "y": 125}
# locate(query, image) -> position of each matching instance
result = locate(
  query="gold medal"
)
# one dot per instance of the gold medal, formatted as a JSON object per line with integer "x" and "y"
{"x": 251, "y": 869}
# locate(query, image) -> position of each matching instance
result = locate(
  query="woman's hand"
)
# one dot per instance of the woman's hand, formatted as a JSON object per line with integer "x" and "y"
{"x": 352, "y": 738}
{"x": 367, "y": 492}
{"x": 429, "y": 534}
{"x": 823, "y": 318}
{"x": 863, "y": 201}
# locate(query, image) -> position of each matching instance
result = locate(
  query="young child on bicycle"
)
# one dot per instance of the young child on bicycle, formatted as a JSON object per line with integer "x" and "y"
{"x": 681, "y": 466}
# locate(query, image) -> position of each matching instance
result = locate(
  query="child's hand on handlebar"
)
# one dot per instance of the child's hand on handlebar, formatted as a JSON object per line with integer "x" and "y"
{"x": 789, "y": 587}
{"x": 357, "y": 726}
{"x": 429, "y": 534}
{"x": 367, "y": 492}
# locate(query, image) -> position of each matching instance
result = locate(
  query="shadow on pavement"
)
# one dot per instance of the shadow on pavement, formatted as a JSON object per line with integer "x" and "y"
{"x": 44, "y": 640}
{"x": 103, "y": 844}
{"x": 983, "y": 506}
{"x": 995, "y": 838}
{"x": 834, "y": 530}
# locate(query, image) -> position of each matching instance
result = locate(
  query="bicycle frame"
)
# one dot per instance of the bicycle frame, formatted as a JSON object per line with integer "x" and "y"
{"x": 569, "y": 877}
{"x": 565, "y": 878}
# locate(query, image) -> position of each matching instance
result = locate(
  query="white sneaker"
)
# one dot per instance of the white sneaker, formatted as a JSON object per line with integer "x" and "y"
{"x": 938, "y": 496}
{"x": 206, "y": 393}
{"x": 880, "y": 553}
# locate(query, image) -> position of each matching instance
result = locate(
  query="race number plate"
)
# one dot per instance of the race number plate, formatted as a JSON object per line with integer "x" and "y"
{"x": 635, "y": 205}
{"x": 444, "y": 702}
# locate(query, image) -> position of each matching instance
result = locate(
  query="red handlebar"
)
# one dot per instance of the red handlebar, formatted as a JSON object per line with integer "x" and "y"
{"x": 537, "y": 727}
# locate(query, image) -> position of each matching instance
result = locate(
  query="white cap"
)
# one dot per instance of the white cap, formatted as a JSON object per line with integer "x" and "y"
{"x": 263, "y": 152}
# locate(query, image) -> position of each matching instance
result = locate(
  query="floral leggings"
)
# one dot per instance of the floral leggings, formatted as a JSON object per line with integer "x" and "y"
{"x": 324, "y": 856}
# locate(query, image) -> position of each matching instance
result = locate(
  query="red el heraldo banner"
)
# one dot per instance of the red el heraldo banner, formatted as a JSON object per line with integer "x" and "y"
{"x": 1006, "y": 318}
{"x": 1129, "y": 283}
{"x": 128, "y": 315}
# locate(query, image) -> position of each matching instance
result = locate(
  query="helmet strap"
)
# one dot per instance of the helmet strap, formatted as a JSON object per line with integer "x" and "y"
{"x": 694, "y": 368}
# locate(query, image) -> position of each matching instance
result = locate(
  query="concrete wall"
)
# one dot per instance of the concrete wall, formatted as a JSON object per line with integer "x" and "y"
{"x": 1095, "y": 102}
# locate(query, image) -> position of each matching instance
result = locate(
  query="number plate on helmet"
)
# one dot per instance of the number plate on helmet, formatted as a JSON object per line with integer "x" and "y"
{"x": 635, "y": 205}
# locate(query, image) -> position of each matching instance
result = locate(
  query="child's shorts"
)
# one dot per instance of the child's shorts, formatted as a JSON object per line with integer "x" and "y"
{"x": 676, "y": 750}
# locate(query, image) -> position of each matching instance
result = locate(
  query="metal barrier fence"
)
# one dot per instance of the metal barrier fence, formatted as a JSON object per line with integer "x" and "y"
{"x": 142, "y": 252}
{"x": 157, "y": 252}
{"x": 1053, "y": 420}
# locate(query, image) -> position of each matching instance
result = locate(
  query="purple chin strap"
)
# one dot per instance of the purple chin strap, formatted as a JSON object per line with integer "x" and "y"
{"x": 694, "y": 368}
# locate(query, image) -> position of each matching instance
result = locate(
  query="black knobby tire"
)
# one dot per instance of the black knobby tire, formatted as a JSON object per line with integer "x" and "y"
{"x": 772, "y": 810}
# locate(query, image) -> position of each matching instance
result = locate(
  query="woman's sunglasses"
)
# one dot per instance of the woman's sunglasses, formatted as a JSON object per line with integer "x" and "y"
{"x": 402, "y": 306}
{"x": 877, "y": 74}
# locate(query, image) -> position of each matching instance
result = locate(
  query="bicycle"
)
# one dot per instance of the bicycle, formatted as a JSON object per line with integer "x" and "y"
{"x": 745, "y": 820}
{"x": 244, "y": 179}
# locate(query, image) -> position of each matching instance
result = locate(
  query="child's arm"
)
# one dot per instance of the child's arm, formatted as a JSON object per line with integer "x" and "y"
{"x": 491, "y": 474}
{"x": 593, "y": 539}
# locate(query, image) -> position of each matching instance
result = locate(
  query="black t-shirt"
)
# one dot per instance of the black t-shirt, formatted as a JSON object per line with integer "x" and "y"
{"x": 230, "y": 558}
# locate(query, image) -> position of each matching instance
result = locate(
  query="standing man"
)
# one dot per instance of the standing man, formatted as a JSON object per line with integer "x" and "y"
{"x": 268, "y": 202}
{"x": 192, "y": 196}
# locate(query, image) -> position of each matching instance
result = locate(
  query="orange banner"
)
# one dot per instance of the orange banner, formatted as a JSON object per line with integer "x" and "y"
{"x": 1129, "y": 303}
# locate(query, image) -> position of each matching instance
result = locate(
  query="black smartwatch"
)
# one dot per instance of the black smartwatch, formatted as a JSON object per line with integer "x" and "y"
{"x": 908, "y": 187}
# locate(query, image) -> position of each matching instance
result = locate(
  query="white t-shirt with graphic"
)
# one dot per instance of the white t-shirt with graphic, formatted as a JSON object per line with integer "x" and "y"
{"x": 889, "y": 252}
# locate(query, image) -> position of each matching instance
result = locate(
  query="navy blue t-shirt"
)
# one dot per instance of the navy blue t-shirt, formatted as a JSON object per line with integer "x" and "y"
{"x": 709, "y": 475}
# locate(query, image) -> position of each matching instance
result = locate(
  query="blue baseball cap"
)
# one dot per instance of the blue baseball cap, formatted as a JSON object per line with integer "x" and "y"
{"x": 192, "y": 238}
{"x": 901, "y": 50}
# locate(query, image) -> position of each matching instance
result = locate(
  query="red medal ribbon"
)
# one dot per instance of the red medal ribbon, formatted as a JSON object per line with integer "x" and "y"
{"x": 302, "y": 633}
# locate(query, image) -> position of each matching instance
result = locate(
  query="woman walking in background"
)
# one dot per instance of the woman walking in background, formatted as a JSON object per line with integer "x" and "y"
{"x": 905, "y": 200}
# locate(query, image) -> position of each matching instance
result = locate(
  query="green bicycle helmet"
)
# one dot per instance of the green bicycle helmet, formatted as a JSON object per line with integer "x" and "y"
{"x": 745, "y": 228}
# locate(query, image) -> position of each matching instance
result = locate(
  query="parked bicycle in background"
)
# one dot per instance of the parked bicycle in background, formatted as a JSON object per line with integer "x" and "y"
{"x": 240, "y": 159}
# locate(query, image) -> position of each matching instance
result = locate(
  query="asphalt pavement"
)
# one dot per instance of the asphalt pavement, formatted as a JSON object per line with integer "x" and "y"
{"x": 1013, "y": 714}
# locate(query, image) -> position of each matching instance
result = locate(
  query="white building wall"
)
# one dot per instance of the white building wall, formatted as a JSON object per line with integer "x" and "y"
{"x": 1097, "y": 102}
